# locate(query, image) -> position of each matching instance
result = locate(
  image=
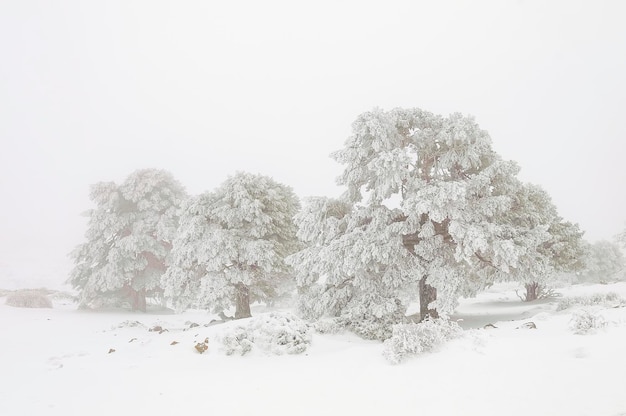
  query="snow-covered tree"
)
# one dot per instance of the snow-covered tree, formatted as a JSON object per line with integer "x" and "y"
{"x": 129, "y": 237}
{"x": 550, "y": 244}
{"x": 621, "y": 238}
{"x": 428, "y": 204}
{"x": 604, "y": 262}
{"x": 354, "y": 266}
{"x": 231, "y": 245}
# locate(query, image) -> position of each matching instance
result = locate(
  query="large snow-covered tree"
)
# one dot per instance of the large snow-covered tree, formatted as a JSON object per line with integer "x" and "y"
{"x": 129, "y": 237}
{"x": 231, "y": 245}
{"x": 428, "y": 203}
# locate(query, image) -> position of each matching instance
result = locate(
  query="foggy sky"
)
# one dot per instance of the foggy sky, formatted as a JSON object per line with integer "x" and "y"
{"x": 91, "y": 91}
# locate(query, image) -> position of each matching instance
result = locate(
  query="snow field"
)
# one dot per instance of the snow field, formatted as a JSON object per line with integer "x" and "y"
{"x": 57, "y": 362}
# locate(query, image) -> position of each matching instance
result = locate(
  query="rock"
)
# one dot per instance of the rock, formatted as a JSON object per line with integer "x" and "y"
{"x": 173, "y": 342}
{"x": 201, "y": 347}
{"x": 111, "y": 350}
{"x": 527, "y": 325}
{"x": 489, "y": 326}
{"x": 158, "y": 328}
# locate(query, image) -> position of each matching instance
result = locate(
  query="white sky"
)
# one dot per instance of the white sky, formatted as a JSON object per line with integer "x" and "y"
{"x": 90, "y": 91}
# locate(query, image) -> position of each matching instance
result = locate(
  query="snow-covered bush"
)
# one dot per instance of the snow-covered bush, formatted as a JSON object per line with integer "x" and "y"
{"x": 586, "y": 322}
{"x": 413, "y": 339}
{"x": 281, "y": 333}
{"x": 237, "y": 340}
{"x": 374, "y": 320}
{"x": 29, "y": 299}
{"x": 601, "y": 299}
{"x": 277, "y": 333}
{"x": 328, "y": 326}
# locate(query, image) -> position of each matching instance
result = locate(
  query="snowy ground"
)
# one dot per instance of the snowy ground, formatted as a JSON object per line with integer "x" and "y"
{"x": 57, "y": 362}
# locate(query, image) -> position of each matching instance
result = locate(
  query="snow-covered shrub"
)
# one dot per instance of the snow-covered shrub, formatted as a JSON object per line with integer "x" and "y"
{"x": 413, "y": 339}
{"x": 602, "y": 299}
{"x": 237, "y": 341}
{"x": 28, "y": 299}
{"x": 328, "y": 326}
{"x": 586, "y": 322}
{"x": 374, "y": 319}
{"x": 277, "y": 333}
{"x": 281, "y": 333}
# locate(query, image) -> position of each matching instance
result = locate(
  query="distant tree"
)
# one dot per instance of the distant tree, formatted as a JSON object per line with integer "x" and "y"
{"x": 621, "y": 238}
{"x": 231, "y": 245}
{"x": 129, "y": 237}
{"x": 426, "y": 205}
{"x": 604, "y": 262}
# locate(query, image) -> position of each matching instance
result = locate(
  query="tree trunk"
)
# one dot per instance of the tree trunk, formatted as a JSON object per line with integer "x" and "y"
{"x": 428, "y": 294}
{"x": 532, "y": 291}
{"x": 242, "y": 301}
{"x": 138, "y": 299}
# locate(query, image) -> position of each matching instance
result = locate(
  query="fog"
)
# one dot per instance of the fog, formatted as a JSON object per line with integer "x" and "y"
{"x": 91, "y": 91}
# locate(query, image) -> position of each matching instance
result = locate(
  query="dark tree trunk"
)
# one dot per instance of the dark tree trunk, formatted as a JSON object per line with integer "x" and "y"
{"x": 532, "y": 291}
{"x": 138, "y": 299}
{"x": 242, "y": 301}
{"x": 428, "y": 294}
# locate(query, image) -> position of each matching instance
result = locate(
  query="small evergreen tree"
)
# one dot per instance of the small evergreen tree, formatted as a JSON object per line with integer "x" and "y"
{"x": 231, "y": 245}
{"x": 129, "y": 237}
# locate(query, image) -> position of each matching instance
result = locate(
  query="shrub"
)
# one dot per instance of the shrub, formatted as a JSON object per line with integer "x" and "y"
{"x": 29, "y": 299}
{"x": 587, "y": 322}
{"x": 413, "y": 339}
{"x": 374, "y": 319}
{"x": 328, "y": 326}
{"x": 282, "y": 333}
{"x": 237, "y": 341}
{"x": 604, "y": 299}
{"x": 277, "y": 333}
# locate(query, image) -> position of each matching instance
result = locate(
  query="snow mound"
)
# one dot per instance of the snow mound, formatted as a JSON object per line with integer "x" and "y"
{"x": 276, "y": 333}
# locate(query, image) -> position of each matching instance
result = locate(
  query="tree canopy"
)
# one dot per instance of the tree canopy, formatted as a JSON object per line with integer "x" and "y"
{"x": 128, "y": 237}
{"x": 231, "y": 244}
{"x": 428, "y": 205}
